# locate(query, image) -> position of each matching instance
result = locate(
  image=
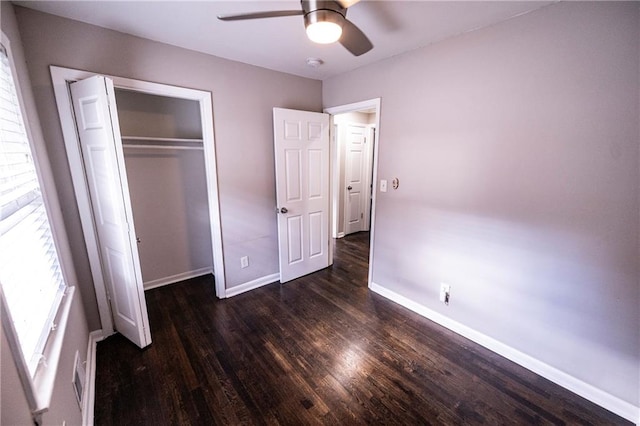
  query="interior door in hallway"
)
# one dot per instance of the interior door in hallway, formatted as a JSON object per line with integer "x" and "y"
{"x": 356, "y": 157}
{"x": 301, "y": 141}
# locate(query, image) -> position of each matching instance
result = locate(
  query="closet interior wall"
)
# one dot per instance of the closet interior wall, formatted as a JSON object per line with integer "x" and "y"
{"x": 162, "y": 141}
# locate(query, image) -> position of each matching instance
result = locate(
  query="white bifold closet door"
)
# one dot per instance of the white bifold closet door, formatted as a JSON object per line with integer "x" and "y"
{"x": 96, "y": 116}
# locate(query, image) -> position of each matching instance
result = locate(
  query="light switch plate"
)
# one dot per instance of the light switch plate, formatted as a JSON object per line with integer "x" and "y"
{"x": 383, "y": 185}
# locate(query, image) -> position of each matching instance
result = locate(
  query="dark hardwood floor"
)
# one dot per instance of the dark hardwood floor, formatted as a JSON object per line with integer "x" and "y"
{"x": 320, "y": 349}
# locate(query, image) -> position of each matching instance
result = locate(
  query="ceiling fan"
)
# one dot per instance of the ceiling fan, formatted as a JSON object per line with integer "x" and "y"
{"x": 325, "y": 22}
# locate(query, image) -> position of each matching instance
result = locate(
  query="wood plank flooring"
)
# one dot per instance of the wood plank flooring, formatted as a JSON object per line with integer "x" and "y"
{"x": 320, "y": 349}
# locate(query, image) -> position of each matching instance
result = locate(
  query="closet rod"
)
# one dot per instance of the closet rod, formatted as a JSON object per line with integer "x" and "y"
{"x": 199, "y": 148}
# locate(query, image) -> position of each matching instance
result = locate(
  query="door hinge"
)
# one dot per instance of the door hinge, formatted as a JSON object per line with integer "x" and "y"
{"x": 361, "y": 215}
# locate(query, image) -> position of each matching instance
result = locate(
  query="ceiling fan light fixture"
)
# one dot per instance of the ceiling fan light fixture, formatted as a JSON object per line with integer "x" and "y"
{"x": 324, "y": 26}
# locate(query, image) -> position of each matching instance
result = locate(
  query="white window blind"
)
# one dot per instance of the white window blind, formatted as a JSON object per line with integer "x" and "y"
{"x": 30, "y": 272}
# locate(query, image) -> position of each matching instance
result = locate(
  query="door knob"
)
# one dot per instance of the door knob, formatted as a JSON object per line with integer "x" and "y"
{"x": 349, "y": 187}
{"x": 284, "y": 210}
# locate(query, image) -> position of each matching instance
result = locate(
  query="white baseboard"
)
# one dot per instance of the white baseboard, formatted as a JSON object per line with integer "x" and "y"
{"x": 176, "y": 278}
{"x": 585, "y": 390}
{"x": 259, "y": 282}
{"x": 340, "y": 235}
{"x": 89, "y": 398}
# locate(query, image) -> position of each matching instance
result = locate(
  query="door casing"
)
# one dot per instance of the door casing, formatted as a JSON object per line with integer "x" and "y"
{"x": 61, "y": 78}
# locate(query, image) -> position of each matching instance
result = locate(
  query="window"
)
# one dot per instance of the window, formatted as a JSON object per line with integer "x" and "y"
{"x": 30, "y": 273}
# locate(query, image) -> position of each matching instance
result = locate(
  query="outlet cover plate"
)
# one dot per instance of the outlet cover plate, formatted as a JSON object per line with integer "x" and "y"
{"x": 445, "y": 289}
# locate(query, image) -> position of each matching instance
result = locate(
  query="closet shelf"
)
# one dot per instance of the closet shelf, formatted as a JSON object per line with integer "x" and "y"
{"x": 155, "y": 139}
{"x": 197, "y": 148}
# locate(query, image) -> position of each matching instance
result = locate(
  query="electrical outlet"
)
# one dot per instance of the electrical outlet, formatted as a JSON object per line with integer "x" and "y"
{"x": 445, "y": 293}
{"x": 244, "y": 262}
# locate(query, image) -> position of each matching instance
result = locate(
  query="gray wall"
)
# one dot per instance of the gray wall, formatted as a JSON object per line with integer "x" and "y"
{"x": 517, "y": 147}
{"x": 171, "y": 215}
{"x": 243, "y": 98}
{"x": 142, "y": 114}
{"x": 14, "y": 409}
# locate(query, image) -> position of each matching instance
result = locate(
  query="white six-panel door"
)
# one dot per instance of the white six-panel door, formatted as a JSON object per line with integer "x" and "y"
{"x": 99, "y": 133}
{"x": 302, "y": 191}
{"x": 356, "y": 171}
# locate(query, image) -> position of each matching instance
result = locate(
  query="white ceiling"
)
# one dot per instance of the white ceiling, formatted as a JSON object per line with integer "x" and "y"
{"x": 280, "y": 44}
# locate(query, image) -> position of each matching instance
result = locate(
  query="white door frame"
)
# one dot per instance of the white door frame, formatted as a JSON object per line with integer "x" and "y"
{"x": 353, "y": 107}
{"x": 335, "y": 155}
{"x": 61, "y": 78}
{"x": 372, "y": 137}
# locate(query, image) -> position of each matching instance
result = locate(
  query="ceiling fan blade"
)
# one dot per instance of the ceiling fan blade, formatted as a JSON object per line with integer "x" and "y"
{"x": 346, "y": 3}
{"x": 354, "y": 40}
{"x": 260, "y": 15}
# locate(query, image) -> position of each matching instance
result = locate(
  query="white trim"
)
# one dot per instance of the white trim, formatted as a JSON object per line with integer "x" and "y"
{"x": 89, "y": 397}
{"x": 334, "y": 152}
{"x": 575, "y": 385}
{"x": 60, "y": 79}
{"x": 371, "y": 138}
{"x": 251, "y": 285}
{"x": 332, "y": 187}
{"x": 148, "y": 285}
{"x": 340, "y": 235}
{"x": 371, "y": 103}
{"x": 45, "y": 377}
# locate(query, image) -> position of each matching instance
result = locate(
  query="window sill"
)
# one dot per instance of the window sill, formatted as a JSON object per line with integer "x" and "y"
{"x": 45, "y": 376}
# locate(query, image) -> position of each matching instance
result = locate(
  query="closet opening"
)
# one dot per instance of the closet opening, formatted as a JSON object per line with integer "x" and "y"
{"x": 164, "y": 160}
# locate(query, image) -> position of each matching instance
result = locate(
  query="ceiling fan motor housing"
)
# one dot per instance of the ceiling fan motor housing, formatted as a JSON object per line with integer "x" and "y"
{"x": 323, "y": 11}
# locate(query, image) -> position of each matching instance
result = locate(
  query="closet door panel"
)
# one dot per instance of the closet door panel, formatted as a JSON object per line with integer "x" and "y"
{"x": 99, "y": 134}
